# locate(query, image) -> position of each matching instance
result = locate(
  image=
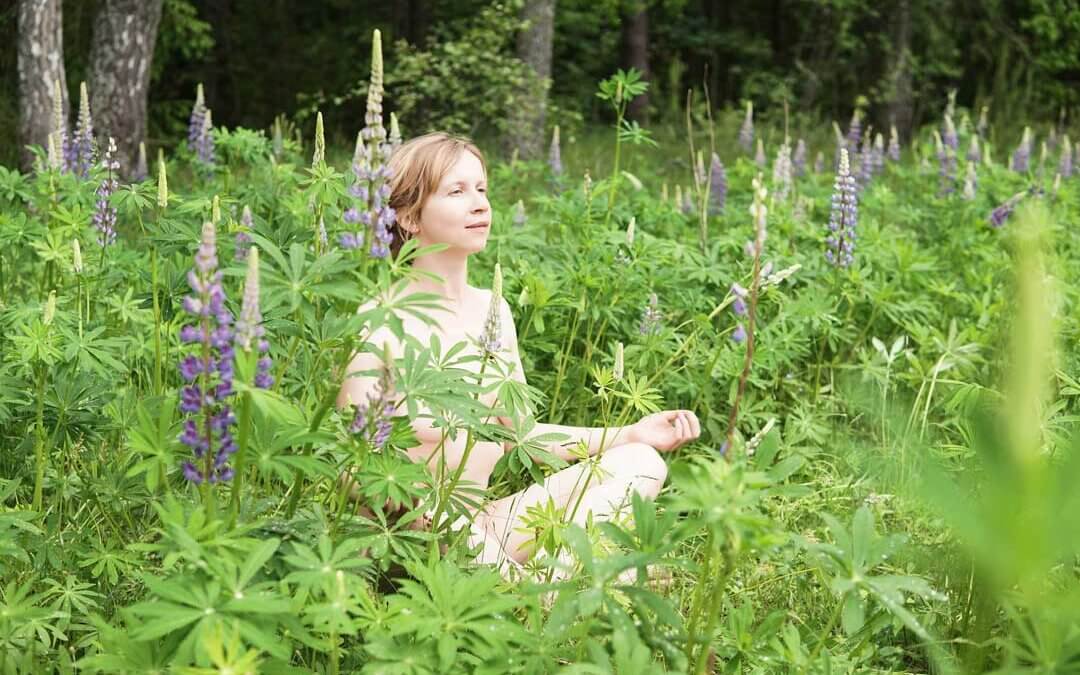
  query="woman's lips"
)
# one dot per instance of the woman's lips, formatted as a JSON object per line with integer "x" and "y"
{"x": 476, "y": 226}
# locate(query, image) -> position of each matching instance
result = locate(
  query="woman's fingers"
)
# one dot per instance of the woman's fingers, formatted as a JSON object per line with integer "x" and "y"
{"x": 695, "y": 424}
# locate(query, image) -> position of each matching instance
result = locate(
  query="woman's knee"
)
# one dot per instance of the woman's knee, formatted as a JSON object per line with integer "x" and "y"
{"x": 638, "y": 462}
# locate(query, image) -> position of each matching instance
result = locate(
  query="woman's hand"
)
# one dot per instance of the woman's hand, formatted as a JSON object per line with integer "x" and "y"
{"x": 667, "y": 430}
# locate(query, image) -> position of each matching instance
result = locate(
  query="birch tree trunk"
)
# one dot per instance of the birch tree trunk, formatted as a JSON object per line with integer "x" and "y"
{"x": 40, "y": 64}
{"x": 534, "y": 48}
{"x": 125, "y": 32}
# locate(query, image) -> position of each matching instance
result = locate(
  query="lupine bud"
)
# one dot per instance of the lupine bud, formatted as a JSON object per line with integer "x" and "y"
{"x": 664, "y": 193}
{"x": 651, "y": 317}
{"x": 395, "y": 132}
{"x": 1021, "y": 157}
{"x": 746, "y": 131}
{"x": 973, "y": 153}
{"x": 894, "y": 144}
{"x": 215, "y": 210}
{"x": 76, "y": 256}
{"x": 970, "y": 182}
{"x": 759, "y": 213}
{"x": 319, "y": 156}
{"x": 798, "y": 161}
{"x": 1065, "y": 165}
{"x": 55, "y": 156}
{"x": 841, "y": 144}
{"x": 617, "y": 369}
{"x": 840, "y": 243}
{"x": 760, "y": 158}
{"x": 988, "y": 160}
{"x": 491, "y": 338}
{"x": 243, "y": 235}
{"x": 717, "y": 186}
{"x": 197, "y": 119}
{"x": 59, "y": 123}
{"x": 634, "y": 181}
{"x": 984, "y": 124}
{"x": 555, "y": 153}
{"x": 82, "y": 155}
{"x": 50, "y": 309}
{"x": 586, "y": 184}
{"x": 630, "y": 231}
{"x": 519, "y": 214}
{"x": 141, "y": 167}
{"x": 277, "y": 138}
{"x": 1042, "y": 158}
{"x": 162, "y": 185}
{"x": 948, "y": 134}
{"x": 374, "y": 132}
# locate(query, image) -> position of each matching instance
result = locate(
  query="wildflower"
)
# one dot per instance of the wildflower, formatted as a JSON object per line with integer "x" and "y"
{"x": 687, "y": 201}
{"x": 162, "y": 185}
{"x": 195, "y": 121}
{"x": 55, "y": 157}
{"x": 617, "y": 369}
{"x": 738, "y": 305}
{"x": 819, "y": 162}
{"x": 866, "y": 164}
{"x": 746, "y": 131}
{"x": 215, "y": 209}
{"x": 760, "y": 158}
{"x": 973, "y": 153}
{"x": 491, "y": 338}
{"x": 840, "y": 243}
{"x": 50, "y": 309}
{"x": 1022, "y": 155}
{"x": 204, "y": 146}
{"x": 79, "y": 153}
{"x": 782, "y": 171}
{"x": 841, "y": 144}
{"x": 1042, "y": 159}
{"x": 678, "y": 197}
{"x": 104, "y": 212}
{"x": 739, "y": 334}
{"x": 519, "y": 214}
{"x": 141, "y": 169}
{"x": 798, "y": 160}
{"x": 277, "y": 137}
{"x": 970, "y": 182}
{"x": 630, "y": 232}
{"x": 946, "y": 165}
{"x": 58, "y": 137}
{"x": 699, "y": 170}
{"x": 634, "y": 181}
{"x": 894, "y": 144}
{"x": 243, "y": 235}
{"x": 758, "y": 212}
{"x": 877, "y": 155}
{"x": 948, "y": 134}
{"x": 983, "y": 125}
{"x": 555, "y": 153}
{"x": 249, "y": 329}
{"x": 76, "y": 256}
{"x": 854, "y": 132}
{"x": 651, "y": 317}
{"x": 1065, "y": 165}
{"x": 395, "y": 133}
{"x": 208, "y": 372}
{"x": 717, "y": 185}
{"x": 319, "y": 156}
{"x": 376, "y": 429}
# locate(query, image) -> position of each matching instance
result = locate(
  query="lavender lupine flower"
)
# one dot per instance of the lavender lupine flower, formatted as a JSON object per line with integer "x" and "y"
{"x": 717, "y": 186}
{"x": 948, "y": 134}
{"x": 739, "y": 309}
{"x": 1022, "y": 155}
{"x": 854, "y": 132}
{"x": 249, "y": 328}
{"x": 819, "y": 162}
{"x": 395, "y": 133}
{"x": 520, "y": 218}
{"x": 782, "y": 171}
{"x": 195, "y": 121}
{"x": 375, "y": 429}
{"x": 971, "y": 182}
{"x": 746, "y": 131}
{"x": 651, "y": 317}
{"x": 946, "y": 165}
{"x": 104, "y": 212}
{"x": 760, "y": 158}
{"x": 974, "y": 154}
{"x": 798, "y": 160}
{"x": 840, "y": 244}
{"x": 491, "y": 338}
{"x": 894, "y": 144}
{"x": 204, "y": 144}
{"x": 58, "y": 136}
{"x": 841, "y": 144}
{"x": 555, "y": 153}
{"x": 79, "y": 153}
{"x": 866, "y": 165}
{"x": 371, "y": 187}
{"x": 209, "y": 371}
{"x": 243, "y": 235}
{"x": 877, "y": 155}
{"x": 1065, "y": 165}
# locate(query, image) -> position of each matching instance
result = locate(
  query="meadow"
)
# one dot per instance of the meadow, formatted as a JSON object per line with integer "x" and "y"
{"x": 880, "y": 339}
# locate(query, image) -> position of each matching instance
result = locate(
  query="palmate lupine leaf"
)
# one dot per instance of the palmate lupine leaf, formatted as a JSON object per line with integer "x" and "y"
{"x": 154, "y": 439}
{"x": 314, "y": 572}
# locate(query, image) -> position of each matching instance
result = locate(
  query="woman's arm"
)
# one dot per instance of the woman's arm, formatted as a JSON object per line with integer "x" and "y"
{"x": 590, "y": 437}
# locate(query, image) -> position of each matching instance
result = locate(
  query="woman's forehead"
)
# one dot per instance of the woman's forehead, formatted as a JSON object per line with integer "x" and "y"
{"x": 467, "y": 169}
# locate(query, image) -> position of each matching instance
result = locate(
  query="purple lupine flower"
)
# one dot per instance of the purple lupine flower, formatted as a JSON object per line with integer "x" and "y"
{"x": 209, "y": 371}
{"x": 854, "y": 132}
{"x": 243, "y": 235}
{"x": 491, "y": 337}
{"x": 841, "y": 144}
{"x": 520, "y": 217}
{"x": 948, "y": 134}
{"x": 946, "y": 165}
{"x": 739, "y": 334}
{"x": 249, "y": 328}
{"x": 974, "y": 154}
{"x": 195, "y": 121}
{"x": 746, "y": 131}
{"x": 104, "y": 212}
{"x": 866, "y": 165}
{"x": 79, "y": 153}
{"x": 798, "y": 161}
{"x": 760, "y": 158}
{"x": 819, "y": 162}
{"x": 894, "y": 144}
{"x": 717, "y": 185}
{"x": 877, "y": 155}
{"x": 971, "y": 182}
{"x": 782, "y": 171}
{"x": 651, "y": 317}
{"x": 371, "y": 184}
{"x": 1022, "y": 155}
{"x": 555, "y": 154}
{"x": 840, "y": 244}
{"x": 376, "y": 429}
{"x": 1002, "y": 212}
{"x": 1065, "y": 165}
{"x": 204, "y": 144}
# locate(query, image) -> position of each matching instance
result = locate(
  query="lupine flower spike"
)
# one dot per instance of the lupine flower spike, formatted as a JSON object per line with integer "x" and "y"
{"x": 491, "y": 338}
{"x": 948, "y": 134}
{"x": 866, "y": 164}
{"x": 395, "y": 133}
{"x": 375, "y": 428}
{"x": 142, "y": 169}
{"x": 209, "y": 371}
{"x": 894, "y": 144}
{"x": 59, "y": 135}
{"x": 76, "y": 257}
{"x": 319, "y": 156}
{"x": 104, "y": 212}
{"x": 249, "y": 328}
{"x": 971, "y": 182}
{"x": 946, "y": 165}
{"x": 819, "y": 162}
{"x": 1002, "y": 212}
{"x": 854, "y": 133}
{"x": 204, "y": 144}
{"x": 651, "y": 317}
{"x": 678, "y": 197}
{"x": 162, "y": 185}
{"x": 840, "y": 243}
{"x": 617, "y": 369}
{"x": 555, "y": 153}
{"x": 520, "y": 218}
{"x": 1065, "y": 164}
{"x": 973, "y": 153}
{"x": 877, "y": 160}
{"x": 798, "y": 160}
{"x": 195, "y": 121}
{"x": 688, "y": 201}
{"x": 1022, "y": 155}
{"x": 782, "y": 171}
{"x": 983, "y": 126}
{"x": 760, "y": 158}
{"x": 243, "y": 235}
{"x": 80, "y": 153}
{"x": 718, "y": 185}
{"x": 746, "y": 131}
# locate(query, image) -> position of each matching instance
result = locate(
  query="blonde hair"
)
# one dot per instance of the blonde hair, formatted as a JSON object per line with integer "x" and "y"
{"x": 416, "y": 168}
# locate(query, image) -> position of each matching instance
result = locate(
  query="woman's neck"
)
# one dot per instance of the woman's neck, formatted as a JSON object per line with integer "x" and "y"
{"x": 452, "y": 267}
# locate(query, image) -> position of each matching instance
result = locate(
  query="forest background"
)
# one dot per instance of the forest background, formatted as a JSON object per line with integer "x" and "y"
{"x": 469, "y": 64}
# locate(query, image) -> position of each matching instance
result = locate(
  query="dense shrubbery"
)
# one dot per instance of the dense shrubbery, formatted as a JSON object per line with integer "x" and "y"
{"x": 894, "y": 496}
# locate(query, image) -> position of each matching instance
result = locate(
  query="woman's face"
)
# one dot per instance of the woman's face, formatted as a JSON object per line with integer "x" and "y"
{"x": 458, "y": 212}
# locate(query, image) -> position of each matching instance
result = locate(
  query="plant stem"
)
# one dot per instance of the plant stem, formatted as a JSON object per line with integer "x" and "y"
{"x": 39, "y": 445}
{"x": 244, "y": 422}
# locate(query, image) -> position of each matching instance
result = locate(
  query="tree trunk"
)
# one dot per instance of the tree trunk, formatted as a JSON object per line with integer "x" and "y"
{"x": 901, "y": 104}
{"x": 534, "y": 48}
{"x": 40, "y": 64}
{"x": 410, "y": 19}
{"x": 635, "y": 33}
{"x": 123, "y": 45}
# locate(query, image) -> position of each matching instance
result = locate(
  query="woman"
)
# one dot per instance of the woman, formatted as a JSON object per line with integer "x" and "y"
{"x": 439, "y": 194}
